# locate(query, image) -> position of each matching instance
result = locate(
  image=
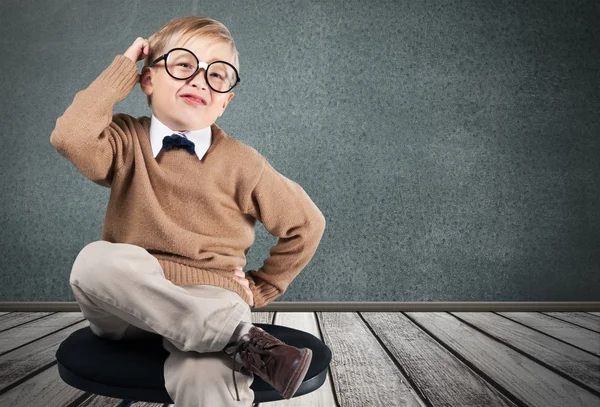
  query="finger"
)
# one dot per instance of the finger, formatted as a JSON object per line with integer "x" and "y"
{"x": 243, "y": 281}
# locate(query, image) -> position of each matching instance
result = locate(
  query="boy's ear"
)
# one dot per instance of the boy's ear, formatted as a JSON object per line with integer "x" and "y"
{"x": 146, "y": 80}
{"x": 229, "y": 97}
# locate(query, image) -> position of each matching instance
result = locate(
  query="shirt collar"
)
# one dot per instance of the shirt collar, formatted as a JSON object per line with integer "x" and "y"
{"x": 158, "y": 130}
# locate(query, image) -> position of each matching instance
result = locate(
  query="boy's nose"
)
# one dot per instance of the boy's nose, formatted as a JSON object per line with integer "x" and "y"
{"x": 199, "y": 78}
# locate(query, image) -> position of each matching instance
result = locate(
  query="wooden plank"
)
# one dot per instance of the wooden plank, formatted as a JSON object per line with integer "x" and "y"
{"x": 322, "y": 397}
{"x": 578, "y": 318}
{"x": 44, "y": 389}
{"x": 576, "y": 336}
{"x": 20, "y": 364}
{"x": 263, "y": 317}
{"x": 34, "y": 329}
{"x": 569, "y": 360}
{"x": 362, "y": 372}
{"x": 103, "y": 401}
{"x": 529, "y": 382}
{"x": 48, "y": 389}
{"x": 34, "y": 366}
{"x": 436, "y": 373}
{"x": 12, "y": 319}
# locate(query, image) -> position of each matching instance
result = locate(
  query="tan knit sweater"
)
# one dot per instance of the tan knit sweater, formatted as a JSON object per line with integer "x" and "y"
{"x": 196, "y": 217}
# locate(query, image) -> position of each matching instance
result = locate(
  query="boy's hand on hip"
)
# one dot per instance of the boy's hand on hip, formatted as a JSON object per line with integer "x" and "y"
{"x": 240, "y": 277}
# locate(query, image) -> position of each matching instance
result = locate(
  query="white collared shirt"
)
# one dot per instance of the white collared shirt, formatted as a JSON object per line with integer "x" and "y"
{"x": 158, "y": 131}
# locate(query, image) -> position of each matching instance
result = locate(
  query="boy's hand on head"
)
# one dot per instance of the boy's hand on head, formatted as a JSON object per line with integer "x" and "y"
{"x": 240, "y": 276}
{"x": 140, "y": 49}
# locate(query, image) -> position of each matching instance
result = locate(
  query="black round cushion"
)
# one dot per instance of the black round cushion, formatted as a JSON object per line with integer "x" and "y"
{"x": 133, "y": 369}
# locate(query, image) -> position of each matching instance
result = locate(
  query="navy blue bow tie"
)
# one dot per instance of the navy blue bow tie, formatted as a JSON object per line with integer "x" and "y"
{"x": 175, "y": 141}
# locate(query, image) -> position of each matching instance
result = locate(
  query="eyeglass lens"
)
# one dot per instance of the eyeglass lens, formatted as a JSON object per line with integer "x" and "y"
{"x": 182, "y": 64}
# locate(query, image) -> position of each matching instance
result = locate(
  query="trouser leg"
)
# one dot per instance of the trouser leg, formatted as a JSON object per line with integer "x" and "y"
{"x": 118, "y": 284}
{"x": 206, "y": 379}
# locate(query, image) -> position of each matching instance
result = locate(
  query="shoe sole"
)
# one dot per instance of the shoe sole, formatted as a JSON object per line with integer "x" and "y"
{"x": 295, "y": 383}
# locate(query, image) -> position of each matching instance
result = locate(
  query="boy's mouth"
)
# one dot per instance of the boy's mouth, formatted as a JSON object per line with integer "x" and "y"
{"x": 193, "y": 99}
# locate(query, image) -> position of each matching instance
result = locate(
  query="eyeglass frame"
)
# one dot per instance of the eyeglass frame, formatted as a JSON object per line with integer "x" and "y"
{"x": 205, "y": 66}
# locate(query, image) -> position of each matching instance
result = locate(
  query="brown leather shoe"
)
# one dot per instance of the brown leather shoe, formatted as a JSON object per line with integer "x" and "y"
{"x": 282, "y": 366}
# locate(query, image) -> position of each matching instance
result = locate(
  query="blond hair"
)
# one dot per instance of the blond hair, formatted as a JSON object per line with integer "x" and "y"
{"x": 181, "y": 29}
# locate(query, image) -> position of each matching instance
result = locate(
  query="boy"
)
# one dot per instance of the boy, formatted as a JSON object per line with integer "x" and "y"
{"x": 183, "y": 203}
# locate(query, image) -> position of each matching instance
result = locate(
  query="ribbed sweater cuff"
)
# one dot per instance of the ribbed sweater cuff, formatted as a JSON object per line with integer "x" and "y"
{"x": 182, "y": 274}
{"x": 121, "y": 75}
{"x": 263, "y": 293}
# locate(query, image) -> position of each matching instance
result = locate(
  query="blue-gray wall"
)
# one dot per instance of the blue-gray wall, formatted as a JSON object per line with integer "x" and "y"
{"x": 451, "y": 145}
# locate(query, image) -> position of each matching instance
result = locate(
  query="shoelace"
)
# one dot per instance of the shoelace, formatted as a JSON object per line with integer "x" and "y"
{"x": 253, "y": 347}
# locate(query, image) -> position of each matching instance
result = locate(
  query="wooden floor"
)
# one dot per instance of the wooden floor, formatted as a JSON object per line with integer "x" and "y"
{"x": 379, "y": 359}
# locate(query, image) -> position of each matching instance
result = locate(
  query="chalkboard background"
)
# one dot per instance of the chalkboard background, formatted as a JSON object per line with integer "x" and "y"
{"x": 451, "y": 145}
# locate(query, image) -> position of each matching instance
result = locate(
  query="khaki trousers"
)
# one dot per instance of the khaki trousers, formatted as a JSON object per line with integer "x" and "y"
{"x": 123, "y": 293}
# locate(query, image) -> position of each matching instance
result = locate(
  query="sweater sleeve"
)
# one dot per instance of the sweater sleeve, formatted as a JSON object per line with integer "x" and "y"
{"x": 288, "y": 213}
{"x": 87, "y": 133}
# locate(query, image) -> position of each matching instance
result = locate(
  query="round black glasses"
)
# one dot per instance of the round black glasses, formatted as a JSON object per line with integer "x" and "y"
{"x": 181, "y": 64}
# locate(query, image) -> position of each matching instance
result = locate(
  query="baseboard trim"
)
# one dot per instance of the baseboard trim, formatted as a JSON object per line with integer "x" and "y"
{"x": 518, "y": 306}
